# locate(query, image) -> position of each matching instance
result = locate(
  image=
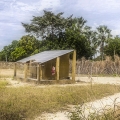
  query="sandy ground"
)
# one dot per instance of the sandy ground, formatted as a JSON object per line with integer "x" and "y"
{"x": 6, "y": 72}
{"x": 100, "y": 80}
{"x": 97, "y": 106}
{"x": 79, "y": 81}
{"x": 90, "y": 107}
{"x": 15, "y": 83}
{"x": 106, "y": 102}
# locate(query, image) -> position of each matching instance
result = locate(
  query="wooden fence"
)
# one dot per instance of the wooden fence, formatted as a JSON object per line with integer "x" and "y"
{"x": 106, "y": 67}
{"x": 83, "y": 67}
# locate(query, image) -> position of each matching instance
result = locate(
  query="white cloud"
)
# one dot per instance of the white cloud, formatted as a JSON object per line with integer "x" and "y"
{"x": 14, "y": 12}
{"x": 116, "y": 32}
{"x": 96, "y": 12}
{"x": 99, "y": 6}
{"x": 35, "y": 6}
{"x": 114, "y": 26}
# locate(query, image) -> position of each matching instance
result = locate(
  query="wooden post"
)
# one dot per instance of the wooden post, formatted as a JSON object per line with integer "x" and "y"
{"x": 57, "y": 67}
{"x": 38, "y": 72}
{"x": 74, "y": 66}
{"x": 15, "y": 69}
{"x": 25, "y": 71}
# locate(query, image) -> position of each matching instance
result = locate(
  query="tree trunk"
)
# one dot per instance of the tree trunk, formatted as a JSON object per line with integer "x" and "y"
{"x": 102, "y": 50}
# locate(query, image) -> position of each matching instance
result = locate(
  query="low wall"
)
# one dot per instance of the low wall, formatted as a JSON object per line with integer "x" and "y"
{"x": 6, "y": 65}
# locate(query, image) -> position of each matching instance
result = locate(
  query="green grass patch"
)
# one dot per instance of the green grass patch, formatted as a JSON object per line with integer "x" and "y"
{"x": 3, "y": 83}
{"x": 28, "y": 102}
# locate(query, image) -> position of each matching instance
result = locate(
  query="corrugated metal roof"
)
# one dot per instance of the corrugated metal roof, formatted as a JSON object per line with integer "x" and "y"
{"x": 45, "y": 56}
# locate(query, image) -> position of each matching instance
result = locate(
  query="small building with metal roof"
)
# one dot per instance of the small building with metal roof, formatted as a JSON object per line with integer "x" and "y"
{"x": 39, "y": 67}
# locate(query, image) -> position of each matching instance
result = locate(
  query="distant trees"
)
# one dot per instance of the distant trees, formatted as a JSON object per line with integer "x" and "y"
{"x": 5, "y": 54}
{"x": 48, "y": 25}
{"x": 113, "y": 47}
{"x": 58, "y": 32}
{"x": 103, "y": 36}
{"x": 76, "y": 40}
{"x": 26, "y": 46}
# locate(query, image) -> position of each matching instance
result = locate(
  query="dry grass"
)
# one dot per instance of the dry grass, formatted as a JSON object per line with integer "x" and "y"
{"x": 79, "y": 114}
{"x": 108, "y": 67}
{"x": 102, "y": 114}
{"x": 28, "y": 102}
{"x": 6, "y": 73}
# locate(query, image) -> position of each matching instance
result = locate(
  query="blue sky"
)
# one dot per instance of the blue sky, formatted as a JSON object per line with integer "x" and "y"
{"x": 96, "y": 12}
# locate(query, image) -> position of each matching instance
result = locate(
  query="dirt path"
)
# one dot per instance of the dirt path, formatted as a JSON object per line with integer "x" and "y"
{"x": 100, "y": 80}
{"x": 15, "y": 83}
{"x": 97, "y": 106}
{"x": 90, "y": 107}
{"x": 79, "y": 81}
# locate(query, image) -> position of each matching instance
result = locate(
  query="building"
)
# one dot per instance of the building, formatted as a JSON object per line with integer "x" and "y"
{"x": 48, "y": 66}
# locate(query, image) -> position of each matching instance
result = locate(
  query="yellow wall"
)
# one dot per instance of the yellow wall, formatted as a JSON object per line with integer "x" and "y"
{"x": 47, "y": 68}
{"x": 64, "y": 66}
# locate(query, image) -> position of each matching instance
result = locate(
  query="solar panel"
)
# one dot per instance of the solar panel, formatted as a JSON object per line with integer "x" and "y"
{"x": 45, "y": 56}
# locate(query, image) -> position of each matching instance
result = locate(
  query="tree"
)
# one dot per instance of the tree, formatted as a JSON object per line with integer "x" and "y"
{"x": 75, "y": 40}
{"x": 48, "y": 25}
{"x": 103, "y": 36}
{"x": 60, "y": 33}
{"x": 5, "y": 54}
{"x": 71, "y": 38}
{"x": 27, "y": 46}
{"x": 91, "y": 37}
{"x": 79, "y": 23}
{"x": 113, "y": 47}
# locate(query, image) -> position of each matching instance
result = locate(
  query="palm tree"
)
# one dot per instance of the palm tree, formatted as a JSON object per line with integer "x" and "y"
{"x": 103, "y": 35}
{"x": 91, "y": 36}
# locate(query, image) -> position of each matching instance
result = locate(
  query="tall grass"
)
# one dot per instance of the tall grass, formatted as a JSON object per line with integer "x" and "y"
{"x": 28, "y": 102}
{"x": 102, "y": 114}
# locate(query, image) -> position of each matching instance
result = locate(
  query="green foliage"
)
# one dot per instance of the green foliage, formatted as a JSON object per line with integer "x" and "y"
{"x": 103, "y": 34}
{"x": 60, "y": 33}
{"x": 75, "y": 40}
{"x": 47, "y": 25}
{"x": 113, "y": 47}
{"x": 5, "y": 54}
{"x": 3, "y": 84}
{"x": 27, "y": 46}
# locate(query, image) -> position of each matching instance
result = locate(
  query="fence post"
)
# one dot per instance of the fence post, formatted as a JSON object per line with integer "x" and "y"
{"x": 91, "y": 71}
{"x": 74, "y": 66}
{"x": 15, "y": 69}
{"x": 25, "y": 71}
{"x": 57, "y": 67}
{"x": 79, "y": 71}
{"x": 38, "y": 72}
